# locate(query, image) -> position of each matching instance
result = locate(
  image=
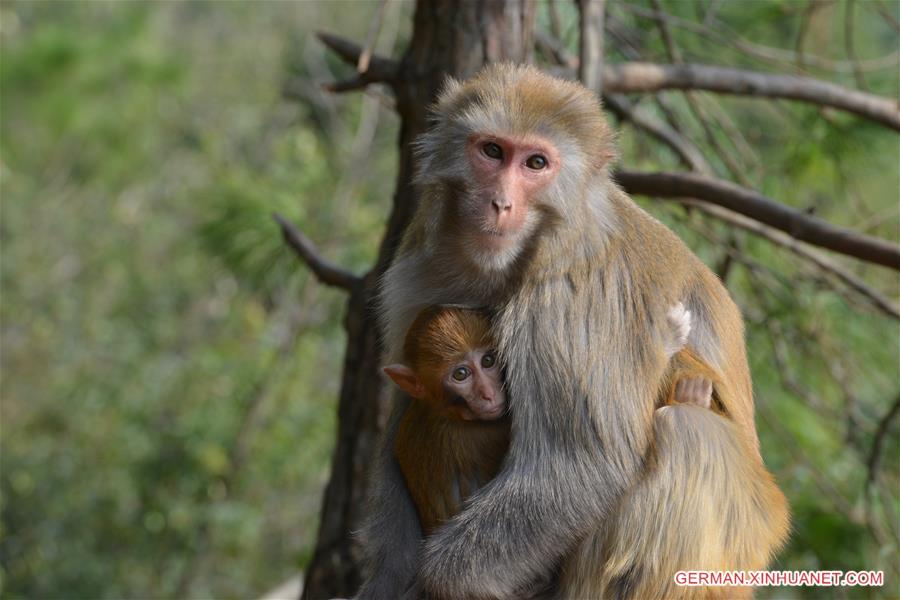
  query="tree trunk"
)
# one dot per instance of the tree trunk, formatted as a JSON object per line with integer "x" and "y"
{"x": 449, "y": 38}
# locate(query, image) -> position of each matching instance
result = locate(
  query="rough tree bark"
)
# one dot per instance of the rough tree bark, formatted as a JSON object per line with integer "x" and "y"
{"x": 449, "y": 37}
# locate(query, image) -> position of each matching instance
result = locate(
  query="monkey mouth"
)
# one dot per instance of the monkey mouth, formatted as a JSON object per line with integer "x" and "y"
{"x": 496, "y": 238}
{"x": 489, "y": 413}
{"x": 493, "y": 231}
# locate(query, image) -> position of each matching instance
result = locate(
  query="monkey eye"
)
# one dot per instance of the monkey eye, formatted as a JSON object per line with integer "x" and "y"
{"x": 536, "y": 162}
{"x": 488, "y": 360}
{"x": 492, "y": 150}
{"x": 461, "y": 373}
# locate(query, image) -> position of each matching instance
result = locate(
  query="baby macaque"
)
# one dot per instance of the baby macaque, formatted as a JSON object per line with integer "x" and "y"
{"x": 454, "y": 435}
{"x": 688, "y": 380}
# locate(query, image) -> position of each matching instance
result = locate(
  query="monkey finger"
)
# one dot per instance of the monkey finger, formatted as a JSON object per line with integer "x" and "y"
{"x": 693, "y": 391}
{"x": 680, "y": 390}
{"x": 706, "y": 393}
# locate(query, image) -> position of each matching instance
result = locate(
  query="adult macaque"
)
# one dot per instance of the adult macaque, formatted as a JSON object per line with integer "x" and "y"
{"x": 518, "y": 213}
{"x": 453, "y": 437}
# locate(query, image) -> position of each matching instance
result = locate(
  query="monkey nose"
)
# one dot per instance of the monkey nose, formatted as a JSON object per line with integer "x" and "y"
{"x": 501, "y": 205}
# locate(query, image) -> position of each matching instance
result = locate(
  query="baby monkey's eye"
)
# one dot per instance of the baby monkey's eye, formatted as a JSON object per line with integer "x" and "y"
{"x": 492, "y": 150}
{"x": 461, "y": 373}
{"x": 536, "y": 162}
{"x": 488, "y": 360}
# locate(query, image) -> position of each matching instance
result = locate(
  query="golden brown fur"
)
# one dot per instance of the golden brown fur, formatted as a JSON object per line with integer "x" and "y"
{"x": 580, "y": 305}
{"x": 722, "y": 509}
{"x": 437, "y": 337}
{"x": 444, "y": 459}
{"x": 686, "y": 364}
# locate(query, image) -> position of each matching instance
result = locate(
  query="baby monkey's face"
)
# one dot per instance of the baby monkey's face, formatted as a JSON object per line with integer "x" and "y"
{"x": 473, "y": 386}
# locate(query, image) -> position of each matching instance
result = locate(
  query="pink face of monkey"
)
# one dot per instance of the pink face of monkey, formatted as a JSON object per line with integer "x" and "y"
{"x": 473, "y": 387}
{"x": 470, "y": 388}
{"x": 508, "y": 173}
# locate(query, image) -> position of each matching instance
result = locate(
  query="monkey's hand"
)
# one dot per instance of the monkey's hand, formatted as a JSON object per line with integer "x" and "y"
{"x": 679, "y": 319}
{"x": 509, "y": 537}
{"x": 694, "y": 390}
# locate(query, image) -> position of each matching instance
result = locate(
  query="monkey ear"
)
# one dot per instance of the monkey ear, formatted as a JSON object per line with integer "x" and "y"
{"x": 406, "y": 380}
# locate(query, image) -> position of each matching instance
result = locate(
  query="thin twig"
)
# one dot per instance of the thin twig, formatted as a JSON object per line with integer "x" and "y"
{"x": 732, "y": 133}
{"x": 591, "y": 44}
{"x": 555, "y": 26}
{"x": 850, "y": 46}
{"x": 880, "y": 432}
{"x": 885, "y": 12}
{"x": 674, "y": 53}
{"x": 689, "y": 154}
{"x": 325, "y": 271}
{"x": 555, "y": 49}
{"x": 630, "y": 49}
{"x": 800, "y": 43}
{"x": 362, "y": 64}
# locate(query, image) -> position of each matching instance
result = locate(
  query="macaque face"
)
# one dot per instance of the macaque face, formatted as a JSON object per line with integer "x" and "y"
{"x": 473, "y": 387}
{"x": 508, "y": 172}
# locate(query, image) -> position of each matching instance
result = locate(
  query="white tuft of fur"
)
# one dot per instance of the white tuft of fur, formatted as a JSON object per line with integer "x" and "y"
{"x": 679, "y": 319}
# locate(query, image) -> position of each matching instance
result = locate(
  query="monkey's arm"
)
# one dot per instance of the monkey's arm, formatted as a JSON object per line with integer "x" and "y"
{"x": 392, "y": 534}
{"x": 579, "y": 429}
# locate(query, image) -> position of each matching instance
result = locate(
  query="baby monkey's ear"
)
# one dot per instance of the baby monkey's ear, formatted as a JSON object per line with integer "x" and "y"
{"x": 405, "y": 379}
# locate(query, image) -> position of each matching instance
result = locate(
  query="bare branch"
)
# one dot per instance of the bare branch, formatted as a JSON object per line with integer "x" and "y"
{"x": 347, "y": 85}
{"x": 555, "y": 26}
{"x": 556, "y": 50}
{"x": 325, "y": 271}
{"x": 885, "y": 12}
{"x": 875, "y": 455}
{"x": 800, "y": 43}
{"x": 733, "y": 133}
{"x": 797, "y": 224}
{"x": 380, "y": 69}
{"x": 650, "y": 77}
{"x": 850, "y": 46}
{"x": 591, "y": 45}
{"x": 672, "y": 48}
{"x": 817, "y": 258}
{"x": 362, "y": 64}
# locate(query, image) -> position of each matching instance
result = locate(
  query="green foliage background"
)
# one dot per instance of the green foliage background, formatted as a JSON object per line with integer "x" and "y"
{"x": 170, "y": 371}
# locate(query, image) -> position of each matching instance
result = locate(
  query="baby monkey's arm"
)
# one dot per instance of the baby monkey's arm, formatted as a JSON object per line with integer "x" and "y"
{"x": 690, "y": 380}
